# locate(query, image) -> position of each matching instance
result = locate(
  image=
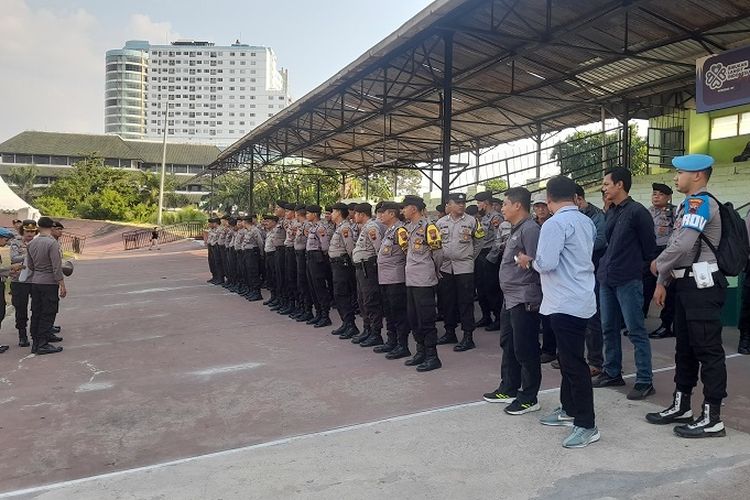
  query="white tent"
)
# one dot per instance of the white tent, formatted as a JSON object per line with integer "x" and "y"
{"x": 11, "y": 203}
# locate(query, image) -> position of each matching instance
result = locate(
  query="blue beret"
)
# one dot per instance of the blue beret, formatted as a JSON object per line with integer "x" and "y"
{"x": 6, "y": 233}
{"x": 692, "y": 163}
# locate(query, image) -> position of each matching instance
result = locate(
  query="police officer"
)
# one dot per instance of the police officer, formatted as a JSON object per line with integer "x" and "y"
{"x": 302, "y": 231}
{"x": 210, "y": 239}
{"x": 271, "y": 225}
{"x": 485, "y": 272}
{"x": 663, "y": 213}
{"x": 700, "y": 290}
{"x": 365, "y": 257}
{"x": 316, "y": 252}
{"x": 340, "y": 255}
{"x": 279, "y": 260}
{"x": 239, "y": 243}
{"x": 392, "y": 280}
{"x": 424, "y": 255}
{"x": 462, "y": 237}
{"x": 222, "y": 249}
{"x": 20, "y": 287}
{"x": 252, "y": 249}
{"x": 290, "y": 261}
{"x": 231, "y": 284}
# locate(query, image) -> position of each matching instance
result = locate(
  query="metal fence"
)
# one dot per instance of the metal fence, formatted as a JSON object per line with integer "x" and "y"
{"x": 70, "y": 242}
{"x": 140, "y": 238}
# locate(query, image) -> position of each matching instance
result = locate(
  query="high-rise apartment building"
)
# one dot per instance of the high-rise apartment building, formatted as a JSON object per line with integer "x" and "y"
{"x": 212, "y": 94}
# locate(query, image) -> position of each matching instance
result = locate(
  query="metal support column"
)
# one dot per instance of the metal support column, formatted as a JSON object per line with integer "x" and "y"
{"x": 447, "y": 109}
{"x": 317, "y": 191}
{"x": 604, "y": 142}
{"x": 625, "y": 143}
{"x": 538, "y": 141}
{"x": 251, "y": 185}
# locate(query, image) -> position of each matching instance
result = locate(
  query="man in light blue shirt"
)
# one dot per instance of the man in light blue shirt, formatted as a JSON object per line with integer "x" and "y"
{"x": 563, "y": 261}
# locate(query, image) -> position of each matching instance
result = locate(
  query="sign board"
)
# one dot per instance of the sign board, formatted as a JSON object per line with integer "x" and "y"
{"x": 723, "y": 80}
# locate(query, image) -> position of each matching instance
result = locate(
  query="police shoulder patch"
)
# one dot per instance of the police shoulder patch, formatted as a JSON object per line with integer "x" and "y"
{"x": 434, "y": 240}
{"x": 345, "y": 232}
{"x": 373, "y": 233}
{"x": 321, "y": 231}
{"x": 696, "y": 212}
{"x": 479, "y": 231}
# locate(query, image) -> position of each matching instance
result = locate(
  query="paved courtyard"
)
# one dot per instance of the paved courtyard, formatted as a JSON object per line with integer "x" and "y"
{"x": 172, "y": 388}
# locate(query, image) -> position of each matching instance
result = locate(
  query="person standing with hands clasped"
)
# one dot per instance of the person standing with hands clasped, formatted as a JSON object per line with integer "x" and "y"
{"x": 690, "y": 261}
{"x": 47, "y": 286}
{"x": 563, "y": 261}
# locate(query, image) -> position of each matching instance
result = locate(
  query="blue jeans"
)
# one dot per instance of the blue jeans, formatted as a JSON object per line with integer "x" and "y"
{"x": 627, "y": 298}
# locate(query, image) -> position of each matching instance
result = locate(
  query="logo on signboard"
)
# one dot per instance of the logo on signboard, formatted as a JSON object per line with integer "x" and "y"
{"x": 718, "y": 74}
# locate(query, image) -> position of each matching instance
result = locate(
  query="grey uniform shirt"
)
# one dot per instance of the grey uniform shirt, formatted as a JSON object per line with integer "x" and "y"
{"x": 301, "y": 231}
{"x": 391, "y": 257}
{"x": 44, "y": 261}
{"x": 318, "y": 237}
{"x": 422, "y": 260}
{"x": 368, "y": 242}
{"x": 490, "y": 223}
{"x": 270, "y": 244}
{"x": 462, "y": 241}
{"x": 289, "y": 231}
{"x": 520, "y": 286}
{"x": 222, "y": 235}
{"x": 229, "y": 242}
{"x": 697, "y": 214}
{"x": 239, "y": 238}
{"x": 342, "y": 241}
{"x": 253, "y": 239}
{"x": 664, "y": 219}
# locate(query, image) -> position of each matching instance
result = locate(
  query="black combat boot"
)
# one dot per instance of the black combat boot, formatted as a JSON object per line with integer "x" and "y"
{"x": 400, "y": 351}
{"x": 448, "y": 338}
{"x": 254, "y": 296}
{"x": 466, "y": 343}
{"x": 271, "y": 300}
{"x": 389, "y": 345}
{"x": 288, "y": 308}
{"x": 350, "y": 331}
{"x": 373, "y": 340}
{"x": 418, "y": 358}
{"x": 325, "y": 320}
{"x": 314, "y": 319}
{"x": 362, "y": 336}
{"x": 744, "y": 346}
{"x": 678, "y": 411}
{"x": 709, "y": 424}
{"x": 305, "y": 316}
{"x": 431, "y": 360}
{"x": 486, "y": 320}
{"x": 338, "y": 331}
{"x": 23, "y": 339}
{"x": 280, "y": 303}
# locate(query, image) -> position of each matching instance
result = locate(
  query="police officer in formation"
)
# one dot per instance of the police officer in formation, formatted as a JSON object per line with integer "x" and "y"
{"x": 663, "y": 213}
{"x": 488, "y": 287}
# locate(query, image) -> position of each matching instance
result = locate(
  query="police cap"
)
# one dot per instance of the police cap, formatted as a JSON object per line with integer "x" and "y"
{"x": 283, "y": 204}
{"x": 58, "y": 225}
{"x": 313, "y": 208}
{"x": 29, "y": 225}
{"x": 300, "y": 207}
{"x": 45, "y": 222}
{"x": 440, "y": 208}
{"x": 379, "y": 206}
{"x": 457, "y": 197}
{"x": 414, "y": 200}
{"x": 271, "y": 217}
{"x": 483, "y": 196}
{"x": 662, "y": 188}
{"x": 363, "y": 208}
{"x": 391, "y": 205}
{"x": 693, "y": 163}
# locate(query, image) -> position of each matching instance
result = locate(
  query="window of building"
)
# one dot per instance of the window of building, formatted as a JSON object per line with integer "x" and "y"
{"x": 730, "y": 126}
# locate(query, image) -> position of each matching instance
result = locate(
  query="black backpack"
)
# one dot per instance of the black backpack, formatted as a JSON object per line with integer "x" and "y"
{"x": 734, "y": 248}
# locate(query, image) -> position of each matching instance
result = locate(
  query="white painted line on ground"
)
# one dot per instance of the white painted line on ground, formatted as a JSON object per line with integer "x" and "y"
{"x": 269, "y": 444}
{"x": 218, "y": 370}
{"x": 94, "y": 386}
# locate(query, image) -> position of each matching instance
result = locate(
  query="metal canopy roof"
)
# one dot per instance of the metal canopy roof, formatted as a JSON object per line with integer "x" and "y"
{"x": 503, "y": 70}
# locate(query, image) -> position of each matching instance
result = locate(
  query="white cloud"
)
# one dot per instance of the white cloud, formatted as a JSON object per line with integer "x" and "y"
{"x": 53, "y": 66}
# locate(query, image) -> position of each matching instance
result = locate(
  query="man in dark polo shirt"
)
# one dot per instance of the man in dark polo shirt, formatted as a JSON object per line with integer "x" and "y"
{"x": 47, "y": 286}
{"x": 631, "y": 243}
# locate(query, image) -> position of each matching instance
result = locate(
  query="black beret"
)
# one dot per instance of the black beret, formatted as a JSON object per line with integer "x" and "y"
{"x": 483, "y": 196}
{"x": 339, "y": 206}
{"x": 271, "y": 217}
{"x": 313, "y": 208}
{"x": 351, "y": 205}
{"x": 232, "y": 221}
{"x": 225, "y": 217}
{"x": 300, "y": 207}
{"x": 472, "y": 210}
{"x": 495, "y": 200}
{"x": 248, "y": 218}
{"x": 662, "y": 188}
{"x": 392, "y": 205}
{"x": 457, "y": 197}
{"x": 363, "y": 208}
{"x": 281, "y": 203}
{"x": 45, "y": 222}
{"x": 411, "y": 199}
{"x": 58, "y": 225}
{"x": 440, "y": 208}
{"x": 379, "y": 206}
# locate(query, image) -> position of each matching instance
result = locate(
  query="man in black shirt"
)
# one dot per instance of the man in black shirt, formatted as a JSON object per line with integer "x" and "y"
{"x": 631, "y": 243}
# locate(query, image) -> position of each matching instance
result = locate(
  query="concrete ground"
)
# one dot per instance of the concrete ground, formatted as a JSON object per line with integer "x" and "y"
{"x": 172, "y": 388}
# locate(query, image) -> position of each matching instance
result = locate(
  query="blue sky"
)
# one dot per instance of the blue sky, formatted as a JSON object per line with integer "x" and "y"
{"x": 55, "y": 48}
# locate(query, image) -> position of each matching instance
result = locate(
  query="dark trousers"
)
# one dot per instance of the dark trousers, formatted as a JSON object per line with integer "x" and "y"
{"x": 232, "y": 265}
{"x": 456, "y": 293}
{"x": 270, "y": 274}
{"x": 343, "y": 293}
{"x": 212, "y": 262}
{"x": 594, "y": 339}
{"x": 394, "y": 307}
{"x": 697, "y": 325}
{"x": 302, "y": 287}
{"x": 420, "y": 308}
{"x": 218, "y": 265}
{"x": 290, "y": 273}
{"x": 20, "y": 293}
{"x": 317, "y": 274}
{"x": 221, "y": 259}
{"x": 3, "y": 304}
{"x": 488, "y": 285}
{"x": 667, "y": 312}
{"x": 744, "y": 324}
{"x": 279, "y": 269}
{"x": 252, "y": 268}
{"x": 44, "y": 304}
{"x": 368, "y": 294}
{"x": 576, "y": 393}
{"x": 520, "y": 368}
{"x": 549, "y": 342}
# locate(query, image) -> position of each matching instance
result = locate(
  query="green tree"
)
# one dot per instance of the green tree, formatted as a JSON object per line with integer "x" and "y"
{"x": 23, "y": 179}
{"x": 580, "y": 154}
{"x": 496, "y": 185}
{"x": 53, "y": 206}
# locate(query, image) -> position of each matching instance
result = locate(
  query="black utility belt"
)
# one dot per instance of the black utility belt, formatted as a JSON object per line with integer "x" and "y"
{"x": 299, "y": 251}
{"x": 363, "y": 263}
{"x": 340, "y": 260}
{"x": 251, "y": 249}
{"x": 280, "y": 247}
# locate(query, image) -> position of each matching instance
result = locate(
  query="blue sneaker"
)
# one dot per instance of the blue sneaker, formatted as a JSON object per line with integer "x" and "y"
{"x": 581, "y": 437}
{"x": 557, "y": 418}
